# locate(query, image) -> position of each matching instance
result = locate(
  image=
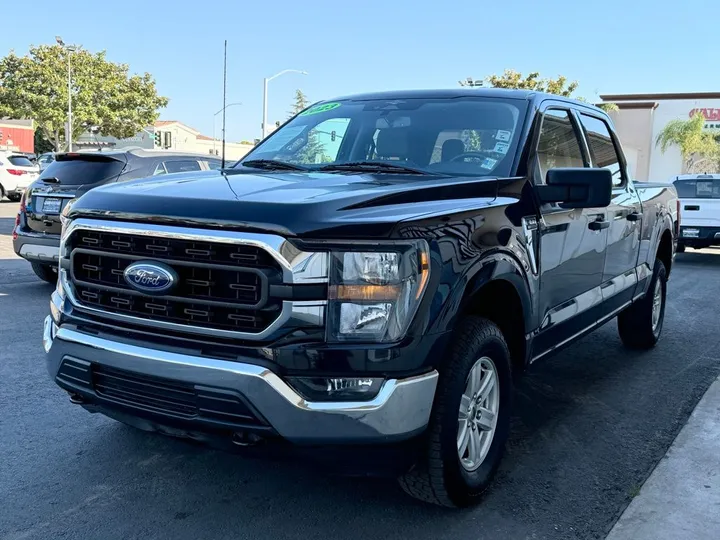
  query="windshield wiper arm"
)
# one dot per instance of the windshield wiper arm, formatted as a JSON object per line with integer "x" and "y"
{"x": 271, "y": 164}
{"x": 381, "y": 166}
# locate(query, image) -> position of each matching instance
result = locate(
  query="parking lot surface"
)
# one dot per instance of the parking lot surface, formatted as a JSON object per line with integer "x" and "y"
{"x": 590, "y": 425}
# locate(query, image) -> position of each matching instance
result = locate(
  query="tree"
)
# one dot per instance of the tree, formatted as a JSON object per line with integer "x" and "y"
{"x": 513, "y": 79}
{"x": 41, "y": 144}
{"x": 104, "y": 95}
{"x": 314, "y": 150}
{"x": 301, "y": 103}
{"x": 697, "y": 146}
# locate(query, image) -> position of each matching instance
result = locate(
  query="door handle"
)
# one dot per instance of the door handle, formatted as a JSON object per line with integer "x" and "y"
{"x": 633, "y": 216}
{"x": 598, "y": 225}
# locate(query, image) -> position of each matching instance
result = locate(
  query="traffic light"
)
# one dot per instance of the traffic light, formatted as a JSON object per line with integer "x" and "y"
{"x": 158, "y": 139}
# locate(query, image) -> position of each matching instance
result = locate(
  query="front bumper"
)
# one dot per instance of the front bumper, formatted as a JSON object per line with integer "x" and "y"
{"x": 400, "y": 410}
{"x": 37, "y": 247}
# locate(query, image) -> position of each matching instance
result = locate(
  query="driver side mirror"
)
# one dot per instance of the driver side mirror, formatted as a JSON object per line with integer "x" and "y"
{"x": 579, "y": 187}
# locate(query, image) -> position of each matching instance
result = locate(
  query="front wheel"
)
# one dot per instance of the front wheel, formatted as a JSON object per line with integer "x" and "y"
{"x": 641, "y": 324}
{"x": 470, "y": 420}
{"x": 15, "y": 197}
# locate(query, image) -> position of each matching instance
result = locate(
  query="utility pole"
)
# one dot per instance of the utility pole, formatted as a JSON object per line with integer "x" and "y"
{"x": 70, "y": 49}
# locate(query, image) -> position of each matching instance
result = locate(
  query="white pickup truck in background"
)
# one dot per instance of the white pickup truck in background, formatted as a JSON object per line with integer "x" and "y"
{"x": 700, "y": 210}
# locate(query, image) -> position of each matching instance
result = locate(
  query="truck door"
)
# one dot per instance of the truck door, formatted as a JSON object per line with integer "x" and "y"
{"x": 624, "y": 214}
{"x": 572, "y": 241}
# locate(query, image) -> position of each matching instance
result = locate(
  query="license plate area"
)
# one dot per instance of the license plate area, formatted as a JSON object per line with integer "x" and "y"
{"x": 691, "y": 233}
{"x": 51, "y": 206}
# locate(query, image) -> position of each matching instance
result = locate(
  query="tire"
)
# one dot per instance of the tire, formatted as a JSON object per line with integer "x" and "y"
{"x": 636, "y": 326}
{"x": 440, "y": 477}
{"x": 14, "y": 198}
{"x": 45, "y": 272}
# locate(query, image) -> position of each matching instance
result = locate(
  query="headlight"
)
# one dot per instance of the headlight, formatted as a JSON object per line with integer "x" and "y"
{"x": 374, "y": 294}
{"x": 66, "y": 212}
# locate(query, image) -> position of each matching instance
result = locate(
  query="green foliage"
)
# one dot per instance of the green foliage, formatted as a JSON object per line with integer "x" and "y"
{"x": 42, "y": 145}
{"x": 103, "y": 93}
{"x": 690, "y": 137}
{"x": 301, "y": 103}
{"x": 608, "y": 107}
{"x": 513, "y": 79}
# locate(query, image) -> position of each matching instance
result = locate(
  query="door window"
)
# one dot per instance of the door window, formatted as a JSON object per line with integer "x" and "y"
{"x": 558, "y": 144}
{"x": 602, "y": 148}
{"x": 160, "y": 169}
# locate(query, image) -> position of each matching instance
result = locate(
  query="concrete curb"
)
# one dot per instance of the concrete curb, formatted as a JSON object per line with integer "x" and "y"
{"x": 681, "y": 498}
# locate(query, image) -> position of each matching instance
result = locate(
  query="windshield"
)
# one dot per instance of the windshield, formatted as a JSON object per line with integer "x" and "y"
{"x": 456, "y": 136}
{"x": 20, "y": 161}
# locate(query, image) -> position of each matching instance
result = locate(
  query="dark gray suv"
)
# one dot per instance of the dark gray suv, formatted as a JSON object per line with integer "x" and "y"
{"x": 37, "y": 230}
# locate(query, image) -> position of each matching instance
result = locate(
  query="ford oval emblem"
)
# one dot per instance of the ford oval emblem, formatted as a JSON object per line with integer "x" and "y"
{"x": 150, "y": 277}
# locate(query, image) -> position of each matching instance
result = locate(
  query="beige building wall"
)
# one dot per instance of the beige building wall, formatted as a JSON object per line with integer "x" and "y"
{"x": 634, "y": 127}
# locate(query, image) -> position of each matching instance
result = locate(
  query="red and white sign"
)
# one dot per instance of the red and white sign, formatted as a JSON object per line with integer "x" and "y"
{"x": 711, "y": 115}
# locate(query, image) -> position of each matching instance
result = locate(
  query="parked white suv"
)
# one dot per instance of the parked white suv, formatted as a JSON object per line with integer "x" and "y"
{"x": 17, "y": 172}
{"x": 700, "y": 210}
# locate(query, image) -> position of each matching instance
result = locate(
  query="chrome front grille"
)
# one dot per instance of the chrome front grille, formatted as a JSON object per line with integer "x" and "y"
{"x": 226, "y": 284}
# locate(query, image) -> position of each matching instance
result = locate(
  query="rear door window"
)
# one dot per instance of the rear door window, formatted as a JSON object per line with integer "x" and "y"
{"x": 81, "y": 171}
{"x": 182, "y": 166}
{"x": 602, "y": 148}
{"x": 698, "y": 188}
{"x": 20, "y": 161}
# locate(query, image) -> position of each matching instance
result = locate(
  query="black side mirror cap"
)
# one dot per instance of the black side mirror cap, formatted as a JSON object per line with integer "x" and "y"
{"x": 577, "y": 187}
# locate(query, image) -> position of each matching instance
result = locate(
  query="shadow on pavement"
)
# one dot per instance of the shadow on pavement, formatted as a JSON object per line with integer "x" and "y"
{"x": 6, "y": 226}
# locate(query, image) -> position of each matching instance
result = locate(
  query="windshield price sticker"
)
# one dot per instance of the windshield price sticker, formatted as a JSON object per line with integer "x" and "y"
{"x": 325, "y": 107}
{"x": 488, "y": 163}
{"x": 501, "y": 148}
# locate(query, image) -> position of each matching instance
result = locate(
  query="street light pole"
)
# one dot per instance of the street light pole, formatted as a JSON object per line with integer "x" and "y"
{"x": 265, "y": 95}
{"x": 215, "y": 116}
{"x": 70, "y": 49}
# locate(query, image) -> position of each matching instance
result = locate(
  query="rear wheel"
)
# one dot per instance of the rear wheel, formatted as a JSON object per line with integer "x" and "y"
{"x": 45, "y": 272}
{"x": 641, "y": 324}
{"x": 470, "y": 419}
{"x": 14, "y": 198}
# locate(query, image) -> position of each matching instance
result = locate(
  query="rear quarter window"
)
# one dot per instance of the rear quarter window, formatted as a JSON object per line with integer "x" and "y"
{"x": 80, "y": 172}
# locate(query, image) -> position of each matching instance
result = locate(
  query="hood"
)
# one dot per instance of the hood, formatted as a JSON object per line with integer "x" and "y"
{"x": 287, "y": 203}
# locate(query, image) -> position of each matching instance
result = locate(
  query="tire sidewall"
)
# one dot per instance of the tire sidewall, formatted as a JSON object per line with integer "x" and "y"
{"x": 458, "y": 479}
{"x": 659, "y": 274}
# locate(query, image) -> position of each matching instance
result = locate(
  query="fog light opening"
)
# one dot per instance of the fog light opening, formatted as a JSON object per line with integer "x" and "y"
{"x": 77, "y": 399}
{"x": 337, "y": 388}
{"x": 242, "y": 438}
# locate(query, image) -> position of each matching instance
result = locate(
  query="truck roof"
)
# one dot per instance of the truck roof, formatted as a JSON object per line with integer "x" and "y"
{"x": 449, "y": 93}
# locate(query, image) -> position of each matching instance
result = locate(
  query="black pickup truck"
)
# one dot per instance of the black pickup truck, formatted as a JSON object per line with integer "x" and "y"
{"x": 373, "y": 275}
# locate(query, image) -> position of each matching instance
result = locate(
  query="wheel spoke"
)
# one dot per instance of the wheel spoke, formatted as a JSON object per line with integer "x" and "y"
{"x": 465, "y": 402}
{"x": 488, "y": 384}
{"x": 474, "y": 446}
{"x": 475, "y": 379}
{"x": 486, "y": 422}
{"x": 463, "y": 438}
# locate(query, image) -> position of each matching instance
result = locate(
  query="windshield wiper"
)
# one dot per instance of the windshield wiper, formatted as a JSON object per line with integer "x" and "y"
{"x": 374, "y": 166}
{"x": 271, "y": 164}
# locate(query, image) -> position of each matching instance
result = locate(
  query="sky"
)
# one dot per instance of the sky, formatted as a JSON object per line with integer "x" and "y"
{"x": 617, "y": 46}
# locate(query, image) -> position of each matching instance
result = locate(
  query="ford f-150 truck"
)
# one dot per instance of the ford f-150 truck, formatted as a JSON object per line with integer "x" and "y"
{"x": 372, "y": 275}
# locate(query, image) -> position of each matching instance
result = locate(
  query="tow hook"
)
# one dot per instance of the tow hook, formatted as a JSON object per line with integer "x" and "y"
{"x": 76, "y": 398}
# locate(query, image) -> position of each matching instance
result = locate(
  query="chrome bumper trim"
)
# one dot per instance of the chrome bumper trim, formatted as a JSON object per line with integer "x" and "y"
{"x": 400, "y": 410}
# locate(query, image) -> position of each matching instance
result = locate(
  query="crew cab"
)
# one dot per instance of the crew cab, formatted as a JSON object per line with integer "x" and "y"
{"x": 371, "y": 276}
{"x": 700, "y": 210}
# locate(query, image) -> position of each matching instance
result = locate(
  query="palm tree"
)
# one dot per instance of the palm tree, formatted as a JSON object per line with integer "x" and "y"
{"x": 696, "y": 145}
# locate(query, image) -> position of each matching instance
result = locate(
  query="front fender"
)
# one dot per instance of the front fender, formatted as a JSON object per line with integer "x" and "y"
{"x": 493, "y": 266}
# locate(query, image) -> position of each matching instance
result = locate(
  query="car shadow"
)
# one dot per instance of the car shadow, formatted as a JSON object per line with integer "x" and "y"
{"x": 703, "y": 257}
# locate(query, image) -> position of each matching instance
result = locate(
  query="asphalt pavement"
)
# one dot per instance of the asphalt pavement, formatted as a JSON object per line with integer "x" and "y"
{"x": 590, "y": 425}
